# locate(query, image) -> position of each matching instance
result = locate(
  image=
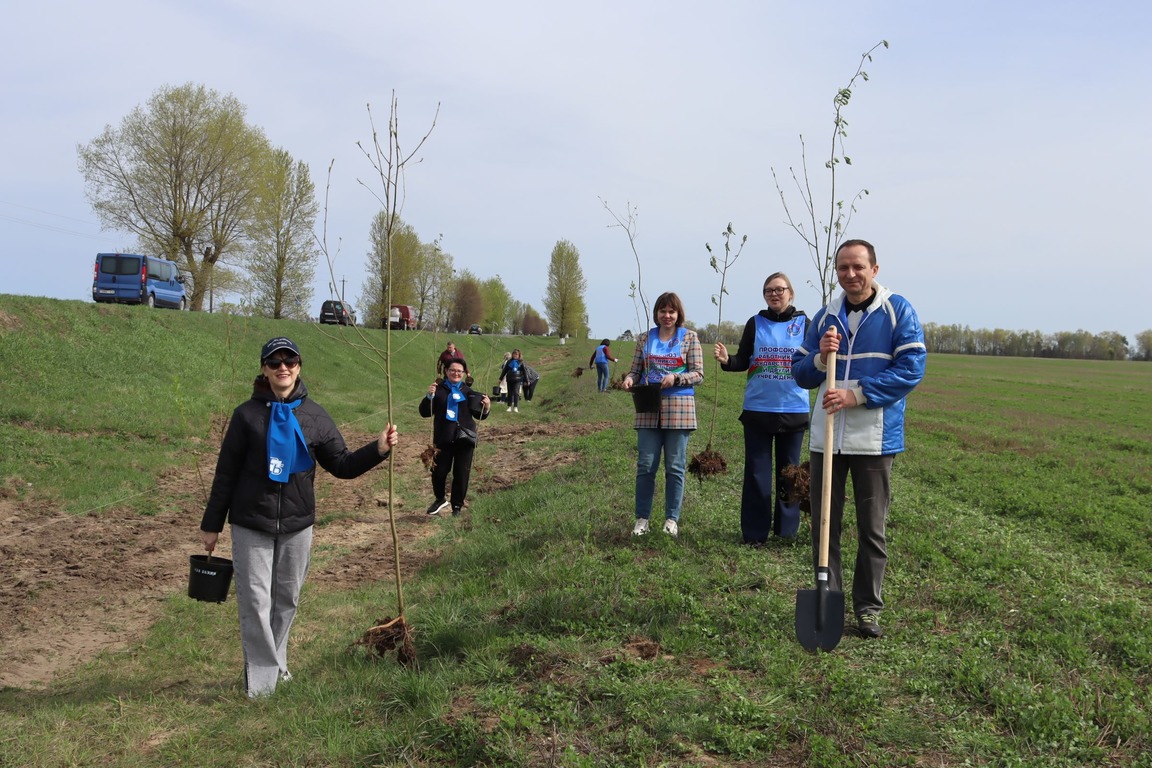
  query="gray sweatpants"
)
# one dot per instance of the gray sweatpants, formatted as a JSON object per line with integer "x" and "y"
{"x": 269, "y": 570}
{"x": 872, "y": 489}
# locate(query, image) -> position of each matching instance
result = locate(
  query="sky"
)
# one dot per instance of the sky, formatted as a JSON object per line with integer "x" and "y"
{"x": 1004, "y": 145}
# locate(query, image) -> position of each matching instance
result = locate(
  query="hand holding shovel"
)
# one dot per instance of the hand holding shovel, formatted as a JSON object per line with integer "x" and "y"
{"x": 820, "y": 611}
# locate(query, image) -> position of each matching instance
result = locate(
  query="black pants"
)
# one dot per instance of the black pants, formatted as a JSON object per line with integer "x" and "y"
{"x": 455, "y": 457}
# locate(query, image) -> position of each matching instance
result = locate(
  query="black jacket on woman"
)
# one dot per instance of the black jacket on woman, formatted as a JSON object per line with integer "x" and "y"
{"x": 443, "y": 430}
{"x": 242, "y": 491}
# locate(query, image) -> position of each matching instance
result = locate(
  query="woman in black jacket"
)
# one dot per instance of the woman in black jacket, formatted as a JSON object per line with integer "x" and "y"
{"x": 455, "y": 406}
{"x": 264, "y": 488}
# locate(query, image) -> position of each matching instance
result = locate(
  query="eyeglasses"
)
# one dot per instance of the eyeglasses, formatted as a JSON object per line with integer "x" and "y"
{"x": 774, "y": 291}
{"x": 275, "y": 363}
{"x": 456, "y": 370}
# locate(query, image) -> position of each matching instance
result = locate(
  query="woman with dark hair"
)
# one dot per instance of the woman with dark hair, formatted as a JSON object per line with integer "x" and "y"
{"x": 264, "y": 488}
{"x": 455, "y": 407}
{"x": 775, "y": 414}
{"x": 600, "y": 359}
{"x": 668, "y": 357}
{"x": 514, "y": 373}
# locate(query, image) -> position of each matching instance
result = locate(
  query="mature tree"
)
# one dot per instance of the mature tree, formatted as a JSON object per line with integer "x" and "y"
{"x": 434, "y": 286}
{"x": 1143, "y": 346}
{"x": 824, "y": 237}
{"x": 282, "y": 255}
{"x": 467, "y": 302}
{"x": 564, "y": 301}
{"x": 179, "y": 173}
{"x": 497, "y": 306}
{"x": 391, "y": 280}
{"x": 532, "y": 324}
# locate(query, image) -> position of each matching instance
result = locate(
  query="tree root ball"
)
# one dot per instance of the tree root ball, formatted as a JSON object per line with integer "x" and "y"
{"x": 578, "y": 372}
{"x": 387, "y": 635}
{"x": 429, "y": 457}
{"x": 799, "y": 478}
{"x": 707, "y": 464}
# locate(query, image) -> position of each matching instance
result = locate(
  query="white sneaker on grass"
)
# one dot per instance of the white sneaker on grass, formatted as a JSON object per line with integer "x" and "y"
{"x": 641, "y": 526}
{"x": 671, "y": 528}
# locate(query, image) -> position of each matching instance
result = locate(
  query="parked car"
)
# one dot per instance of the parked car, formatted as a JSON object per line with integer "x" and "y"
{"x": 402, "y": 317}
{"x": 337, "y": 313}
{"x": 476, "y": 330}
{"x": 128, "y": 278}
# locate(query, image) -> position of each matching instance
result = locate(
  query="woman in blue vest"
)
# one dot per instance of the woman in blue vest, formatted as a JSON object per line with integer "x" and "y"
{"x": 600, "y": 359}
{"x": 775, "y": 413}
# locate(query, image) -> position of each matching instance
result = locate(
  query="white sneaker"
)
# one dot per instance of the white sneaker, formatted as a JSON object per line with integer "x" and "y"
{"x": 671, "y": 528}
{"x": 516, "y": 409}
{"x": 509, "y": 409}
{"x": 641, "y": 526}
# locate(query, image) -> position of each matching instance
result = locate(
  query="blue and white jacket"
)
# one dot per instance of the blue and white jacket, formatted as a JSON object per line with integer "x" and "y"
{"x": 882, "y": 362}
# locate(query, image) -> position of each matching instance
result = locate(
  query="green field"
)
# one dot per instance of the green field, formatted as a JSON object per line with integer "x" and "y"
{"x": 1019, "y": 588}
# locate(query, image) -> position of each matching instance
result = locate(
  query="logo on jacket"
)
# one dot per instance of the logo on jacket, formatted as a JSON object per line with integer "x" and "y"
{"x": 795, "y": 329}
{"x": 275, "y": 466}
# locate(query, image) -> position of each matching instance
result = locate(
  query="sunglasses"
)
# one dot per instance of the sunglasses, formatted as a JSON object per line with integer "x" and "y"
{"x": 275, "y": 363}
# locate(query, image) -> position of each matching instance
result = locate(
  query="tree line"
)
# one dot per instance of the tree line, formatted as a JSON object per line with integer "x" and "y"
{"x": 193, "y": 181}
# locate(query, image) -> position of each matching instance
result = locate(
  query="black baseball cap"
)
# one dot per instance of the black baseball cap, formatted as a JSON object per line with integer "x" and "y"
{"x": 277, "y": 344}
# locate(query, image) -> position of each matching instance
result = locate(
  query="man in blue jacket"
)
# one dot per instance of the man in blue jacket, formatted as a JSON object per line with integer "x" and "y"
{"x": 880, "y": 359}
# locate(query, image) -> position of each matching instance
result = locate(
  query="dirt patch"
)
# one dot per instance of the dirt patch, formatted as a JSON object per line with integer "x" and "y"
{"x": 74, "y": 586}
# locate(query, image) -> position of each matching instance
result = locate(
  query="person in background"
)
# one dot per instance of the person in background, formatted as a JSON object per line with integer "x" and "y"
{"x": 454, "y": 408}
{"x": 450, "y": 353}
{"x": 513, "y": 373}
{"x": 503, "y": 385}
{"x": 600, "y": 358}
{"x": 668, "y": 356}
{"x": 775, "y": 412}
{"x": 264, "y": 488}
{"x": 881, "y": 358}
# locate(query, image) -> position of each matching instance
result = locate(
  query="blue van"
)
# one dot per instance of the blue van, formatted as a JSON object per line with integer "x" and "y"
{"x": 127, "y": 278}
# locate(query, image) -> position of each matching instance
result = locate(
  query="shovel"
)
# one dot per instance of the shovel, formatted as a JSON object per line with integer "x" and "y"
{"x": 820, "y": 611}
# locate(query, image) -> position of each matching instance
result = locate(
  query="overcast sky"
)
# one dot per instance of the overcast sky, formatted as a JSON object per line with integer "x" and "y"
{"x": 1005, "y": 144}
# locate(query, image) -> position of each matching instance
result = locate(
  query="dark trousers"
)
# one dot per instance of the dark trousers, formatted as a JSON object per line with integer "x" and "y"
{"x": 762, "y": 513}
{"x": 456, "y": 458}
{"x": 872, "y": 489}
{"x": 514, "y": 392}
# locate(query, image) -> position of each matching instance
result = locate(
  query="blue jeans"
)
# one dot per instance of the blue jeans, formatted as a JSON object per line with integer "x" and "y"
{"x": 602, "y": 377}
{"x": 674, "y": 443}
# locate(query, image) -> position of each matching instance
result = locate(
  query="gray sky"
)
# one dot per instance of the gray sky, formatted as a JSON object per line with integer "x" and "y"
{"x": 1004, "y": 144}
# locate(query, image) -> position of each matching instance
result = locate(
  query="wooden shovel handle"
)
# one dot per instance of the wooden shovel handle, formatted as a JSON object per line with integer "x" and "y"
{"x": 826, "y": 475}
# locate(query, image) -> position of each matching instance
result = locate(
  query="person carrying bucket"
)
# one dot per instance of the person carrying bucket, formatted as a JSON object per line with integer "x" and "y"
{"x": 264, "y": 488}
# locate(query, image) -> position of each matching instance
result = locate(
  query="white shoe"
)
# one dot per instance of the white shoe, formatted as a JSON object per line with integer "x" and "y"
{"x": 641, "y": 526}
{"x": 671, "y": 528}
{"x": 509, "y": 409}
{"x": 516, "y": 409}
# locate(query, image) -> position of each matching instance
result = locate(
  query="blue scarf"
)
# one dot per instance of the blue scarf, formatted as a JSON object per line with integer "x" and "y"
{"x": 287, "y": 448}
{"x": 455, "y": 397}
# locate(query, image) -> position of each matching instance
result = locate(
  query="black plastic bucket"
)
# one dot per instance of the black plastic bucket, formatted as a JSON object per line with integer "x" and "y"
{"x": 209, "y": 578}
{"x": 646, "y": 398}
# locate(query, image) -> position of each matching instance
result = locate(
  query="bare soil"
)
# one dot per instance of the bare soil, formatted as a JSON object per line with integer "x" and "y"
{"x": 72, "y": 586}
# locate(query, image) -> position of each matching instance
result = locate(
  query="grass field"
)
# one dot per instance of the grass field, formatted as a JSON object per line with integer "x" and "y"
{"x": 1018, "y": 591}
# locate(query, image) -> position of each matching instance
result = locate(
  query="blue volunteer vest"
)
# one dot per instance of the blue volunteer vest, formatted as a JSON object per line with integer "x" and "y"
{"x": 770, "y": 387}
{"x": 664, "y": 358}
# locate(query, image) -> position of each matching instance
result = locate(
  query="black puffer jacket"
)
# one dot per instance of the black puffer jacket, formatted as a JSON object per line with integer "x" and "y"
{"x": 242, "y": 492}
{"x": 443, "y": 430}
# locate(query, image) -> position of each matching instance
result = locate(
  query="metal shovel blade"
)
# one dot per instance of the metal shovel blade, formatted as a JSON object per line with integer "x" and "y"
{"x": 819, "y": 618}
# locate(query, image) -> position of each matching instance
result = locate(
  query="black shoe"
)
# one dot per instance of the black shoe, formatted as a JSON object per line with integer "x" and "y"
{"x": 456, "y": 511}
{"x": 868, "y": 625}
{"x": 437, "y": 507}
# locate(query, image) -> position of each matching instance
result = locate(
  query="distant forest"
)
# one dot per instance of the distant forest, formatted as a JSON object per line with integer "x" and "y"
{"x": 962, "y": 340}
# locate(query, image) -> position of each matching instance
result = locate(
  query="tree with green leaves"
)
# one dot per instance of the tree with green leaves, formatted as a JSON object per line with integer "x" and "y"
{"x": 181, "y": 174}
{"x": 433, "y": 285}
{"x": 497, "y": 306}
{"x": 467, "y": 305}
{"x": 823, "y": 236}
{"x": 564, "y": 300}
{"x": 391, "y": 280}
{"x": 281, "y": 256}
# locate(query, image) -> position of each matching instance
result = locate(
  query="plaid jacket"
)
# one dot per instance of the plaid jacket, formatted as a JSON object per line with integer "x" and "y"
{"x": 675, "y": 412}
